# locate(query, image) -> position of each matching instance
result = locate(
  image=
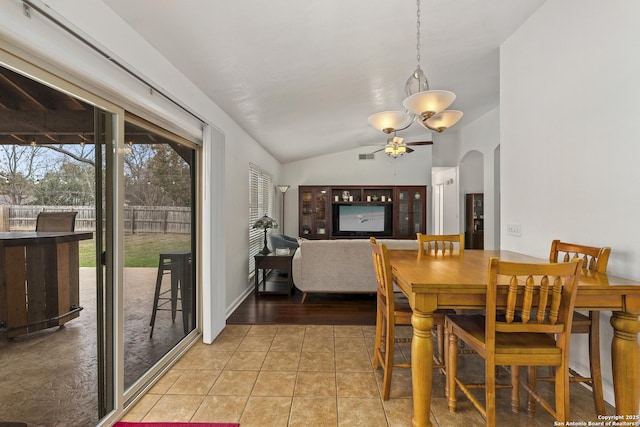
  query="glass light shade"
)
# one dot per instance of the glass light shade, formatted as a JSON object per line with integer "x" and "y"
{"x": 389, "y": 121}
{"x": 429, "y": 101}
{"x": 444, "y": 120}
{"x": 283, "y": 188}
{"x": 395, "y": 150}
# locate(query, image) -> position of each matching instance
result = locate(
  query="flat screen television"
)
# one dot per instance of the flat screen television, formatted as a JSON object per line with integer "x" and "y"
{"x": 362, "y": 220}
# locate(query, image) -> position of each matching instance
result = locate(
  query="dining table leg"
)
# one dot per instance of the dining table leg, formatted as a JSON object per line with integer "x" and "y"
{"x": 422, "y": 367}
{"x": 625, "y": 363}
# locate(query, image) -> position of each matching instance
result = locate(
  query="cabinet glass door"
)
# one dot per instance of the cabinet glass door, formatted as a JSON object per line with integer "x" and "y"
{"x": 404, "y": 220}
{"x": 417, "y": 213}
{"x": 306, "y": 216}
{"x": 320, "y": 220}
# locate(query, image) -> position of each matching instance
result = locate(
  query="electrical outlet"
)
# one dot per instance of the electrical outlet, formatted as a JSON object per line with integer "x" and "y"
{"x": 513, "y": 230}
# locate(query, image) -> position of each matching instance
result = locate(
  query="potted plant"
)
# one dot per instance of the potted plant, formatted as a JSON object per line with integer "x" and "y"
{"x": 374, "y": 197}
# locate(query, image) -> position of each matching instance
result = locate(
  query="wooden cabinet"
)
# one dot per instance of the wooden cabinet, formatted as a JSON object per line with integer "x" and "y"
{"x": 349, "y": 211}
{"x": 315, "y": 213}
{"x": 409, "y": 211}
{"x": 474, "y": 223}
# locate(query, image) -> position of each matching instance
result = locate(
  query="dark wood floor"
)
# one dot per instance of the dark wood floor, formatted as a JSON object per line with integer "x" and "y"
{"x": 318, "y": 309}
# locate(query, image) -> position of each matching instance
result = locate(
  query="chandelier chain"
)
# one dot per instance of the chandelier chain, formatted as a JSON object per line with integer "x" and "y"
{"x": 418, "y": 32}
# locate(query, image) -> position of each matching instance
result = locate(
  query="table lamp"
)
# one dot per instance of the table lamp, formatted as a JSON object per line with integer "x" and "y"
{"x": 265, "y": 223}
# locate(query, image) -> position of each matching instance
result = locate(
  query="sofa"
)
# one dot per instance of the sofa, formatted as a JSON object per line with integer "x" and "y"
{"x": 338, "y": 266}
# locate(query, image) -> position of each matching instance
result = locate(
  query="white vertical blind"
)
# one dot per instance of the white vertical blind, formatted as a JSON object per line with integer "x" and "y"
{"x": 260, "y": 203}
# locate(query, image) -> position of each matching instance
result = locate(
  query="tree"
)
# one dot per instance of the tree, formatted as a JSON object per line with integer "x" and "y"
{"x": 73, "y": 184}
{"x": 19, "y": 164}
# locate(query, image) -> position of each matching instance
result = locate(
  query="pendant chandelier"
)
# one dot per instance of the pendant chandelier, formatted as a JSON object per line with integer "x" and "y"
{"x": 428, "y": 107}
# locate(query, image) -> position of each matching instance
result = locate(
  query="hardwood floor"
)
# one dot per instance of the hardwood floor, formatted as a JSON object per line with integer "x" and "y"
{"x": 318, "y": 309}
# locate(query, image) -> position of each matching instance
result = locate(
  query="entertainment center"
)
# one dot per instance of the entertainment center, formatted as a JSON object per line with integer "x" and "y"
{"x": 334, "y": 212}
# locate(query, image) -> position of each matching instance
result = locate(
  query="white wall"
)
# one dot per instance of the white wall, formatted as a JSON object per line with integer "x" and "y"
{"x": 480, "y": 136}
{"x": 344, "y": 168}
{"x": 570, "y": 98}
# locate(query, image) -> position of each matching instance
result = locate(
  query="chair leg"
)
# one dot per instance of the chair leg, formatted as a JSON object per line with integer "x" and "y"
{"x": 156, "y": 297}
{"x": 490, "y": 391}
{"x": 515, "y": 390}
{"x": 531, "y": 380}
{"x": 451, "y": 370}
{"x": 562, "y": 393}
{"x": 440, "y": 342}
{"x": 378, "y": 343}
{"x": 388, "y": 358}
{"x": 594, "y": 362}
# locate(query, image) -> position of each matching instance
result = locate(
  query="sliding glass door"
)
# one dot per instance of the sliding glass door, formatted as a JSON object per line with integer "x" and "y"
{"x": 133, "y": 186}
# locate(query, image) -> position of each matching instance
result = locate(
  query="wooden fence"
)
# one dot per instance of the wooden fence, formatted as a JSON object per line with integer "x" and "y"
{"x": 137, "y": 219}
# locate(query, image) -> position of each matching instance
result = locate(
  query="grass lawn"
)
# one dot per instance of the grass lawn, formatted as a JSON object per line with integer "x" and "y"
{"x": 140, "y": 250}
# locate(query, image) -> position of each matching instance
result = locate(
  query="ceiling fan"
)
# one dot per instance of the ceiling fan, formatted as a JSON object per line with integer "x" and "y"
{"x": 395, "y": 146}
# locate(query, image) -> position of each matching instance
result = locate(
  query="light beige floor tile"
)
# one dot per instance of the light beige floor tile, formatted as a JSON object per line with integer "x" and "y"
{"x": 281, "y": 361}
{"x": 226, "y": 343}
{"x": 315, "y": 384}
{"x": 274, "y": 383}
{"x": 314, "y": 412}
{"x": 211, "y": 360}
{"x": 317, "y": 344}
{"x": 174, "y": 407}
{"x": 319, "y": 331}
{"x": 317, "y": 361}
{"x": 166, "y": 381}
{"x": 235, "y": 330}
{"x": 399, "y": 412}
{"x": 361, "y": 412}
{"x": 356, "y": 384}
{"x": 141, "y": 408}
{"x": 246, "y": 361}
{"x": 287, "y": 343}
{"x": 349, "y": 344}
{"x": 353, "y": 361}
{"x": 347, "y": 331}
{"x": 255, "y": 343}
{"x": 266, "y": 411}
{"x": 194, "y": 382}
{"x": 222, "y": 409}
{"x": 291, "y": 330}
{"x": 238, "y": 383}
{"x": 262, "y": 330}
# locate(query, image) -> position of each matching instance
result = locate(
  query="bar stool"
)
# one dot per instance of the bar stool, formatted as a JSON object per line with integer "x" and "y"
{"x": 176, "y": 263}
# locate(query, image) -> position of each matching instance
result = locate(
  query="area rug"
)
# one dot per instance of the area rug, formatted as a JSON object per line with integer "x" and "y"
{"x": 156, "y": 424}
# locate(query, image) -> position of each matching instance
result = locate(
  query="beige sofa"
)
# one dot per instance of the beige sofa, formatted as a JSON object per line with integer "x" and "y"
{"x": 339, "y": 266}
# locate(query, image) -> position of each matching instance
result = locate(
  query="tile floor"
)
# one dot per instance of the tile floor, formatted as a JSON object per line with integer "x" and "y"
{"x": 295, "y": 375}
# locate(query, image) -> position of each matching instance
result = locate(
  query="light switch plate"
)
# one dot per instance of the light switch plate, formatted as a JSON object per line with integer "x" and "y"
{"x": 513, "y": 230}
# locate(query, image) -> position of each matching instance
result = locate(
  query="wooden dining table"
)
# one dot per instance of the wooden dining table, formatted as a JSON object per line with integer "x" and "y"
{"x": 459, "y": 282}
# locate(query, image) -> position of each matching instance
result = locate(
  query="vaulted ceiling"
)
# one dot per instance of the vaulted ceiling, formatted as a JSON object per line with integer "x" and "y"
{"x": 302, "y": 77}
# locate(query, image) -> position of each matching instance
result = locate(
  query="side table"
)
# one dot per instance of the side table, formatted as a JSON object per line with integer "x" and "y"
{"x": 273, "y": 261}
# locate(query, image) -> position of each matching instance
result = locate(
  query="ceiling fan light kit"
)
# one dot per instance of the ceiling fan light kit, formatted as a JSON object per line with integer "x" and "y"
{"x": 429, "y": 107}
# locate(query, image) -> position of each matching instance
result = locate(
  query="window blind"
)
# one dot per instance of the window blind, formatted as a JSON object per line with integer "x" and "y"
{"x": 260, "y": 203}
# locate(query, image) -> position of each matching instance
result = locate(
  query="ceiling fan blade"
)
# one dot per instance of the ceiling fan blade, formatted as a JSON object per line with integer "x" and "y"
{"x": 420, "y": 143}
{"x": 377, "y": 151}
{"x": 410, "y": 150}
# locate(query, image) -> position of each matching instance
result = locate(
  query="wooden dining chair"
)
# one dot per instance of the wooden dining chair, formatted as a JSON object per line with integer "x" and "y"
{"x": 594, "y": 259}
{"x": 534, "y": 330}
{"x": 56, "y": 221}
{"x": 388, "y": 315}
{"x": 443, "y": 244}
{"x": 440, "y": 244}
{"x": 391, "y": 311}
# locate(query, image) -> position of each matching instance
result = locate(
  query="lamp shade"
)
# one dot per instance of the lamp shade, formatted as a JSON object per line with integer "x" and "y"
{"x": 443, "y": 120}
{"x": 265, "y": 222}
{"x": 283, "y": 188}
{"x": 429, "y": 102}
{"x": 390, "y": 121}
